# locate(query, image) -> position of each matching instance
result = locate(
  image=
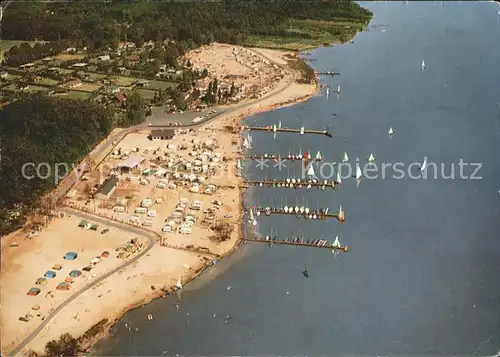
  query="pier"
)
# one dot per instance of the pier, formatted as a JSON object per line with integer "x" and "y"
{"x": 284, "y": 157}
{"x": 328, "y": 73}
{"x": 306, "y": 214}
{"x": 301, "y": 131}
{"x": 318, "y": 243}
{"x": 292, "y": 184}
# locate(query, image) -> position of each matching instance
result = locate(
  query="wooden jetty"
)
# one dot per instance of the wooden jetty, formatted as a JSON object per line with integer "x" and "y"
{"x": 284, "y": 157}
{"x": 328, "y": 73}
{"x": 309, "y": 214}
{"x": 318, "y": 243}
{"x": 274, "y": 129}
{"x": 292, "y": 183}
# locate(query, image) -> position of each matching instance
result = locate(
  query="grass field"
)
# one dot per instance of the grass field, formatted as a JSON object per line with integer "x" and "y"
{"x": 144, "y": 93}
{"x": 68, "y": 57}
{"x": 48, "y": 81}
{"x": 126, "y": 81}
{"x": 161, "y": 85}
{"x": 35, "y": 89}
{"x": 74, "y": 95}
{"x": 89, "y": 87}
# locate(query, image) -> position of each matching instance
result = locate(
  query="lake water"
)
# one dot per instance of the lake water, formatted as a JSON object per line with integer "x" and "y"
{"x": 423, "y": 273}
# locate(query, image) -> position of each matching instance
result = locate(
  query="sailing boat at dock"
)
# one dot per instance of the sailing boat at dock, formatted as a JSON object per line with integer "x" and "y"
{"x": 318, "y": 156}
{"x": 327, "y": 92}
{"x": 423, "y": 65}
{"x": 341, "y": 215}
{"x": 178, "y": 285}
{"x": 339, "y": 179}
{"x": 311, "y": 172}
{"x": 338, "y": 89}
{"x": 371, "y": 159}
{"x": 346, "y": 158}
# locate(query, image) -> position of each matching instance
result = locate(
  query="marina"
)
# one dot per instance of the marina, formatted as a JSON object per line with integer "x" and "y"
{"x": 301, "y": 212}
{"x": 293, "y": 183}
{"x": 301, "y": 242}
{"x": 306, "y": 156}
{"x": 275, "y": 129}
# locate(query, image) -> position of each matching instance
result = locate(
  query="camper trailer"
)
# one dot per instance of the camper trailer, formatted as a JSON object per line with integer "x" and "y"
{"x": 119, "y": 209}
{"x": 141, "y": 210}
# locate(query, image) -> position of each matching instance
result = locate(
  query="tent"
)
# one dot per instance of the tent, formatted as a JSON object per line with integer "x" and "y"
{"x": 63, "y": 286}
{"x": 75, "y": 273}
{"x": 34, "y": 292}
{"x": 57, "y": 267}
{"x": 50, "y": 274}
{"x": 71, "y": 256}
{"x": 83, "y": 223}
{"x": 41, "y": 281}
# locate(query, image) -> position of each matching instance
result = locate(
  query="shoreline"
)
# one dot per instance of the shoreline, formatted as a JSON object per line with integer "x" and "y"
{"x": 88, "y": 345}
{"x": 291, "y": 93}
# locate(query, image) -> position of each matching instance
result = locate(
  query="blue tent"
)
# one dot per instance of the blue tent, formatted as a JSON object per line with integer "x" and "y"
{"x": 50, "y": 274}
{"x": 71, "y": 256}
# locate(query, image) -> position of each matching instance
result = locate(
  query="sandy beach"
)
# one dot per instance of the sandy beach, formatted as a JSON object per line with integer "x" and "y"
{"x": 25, "y": 260}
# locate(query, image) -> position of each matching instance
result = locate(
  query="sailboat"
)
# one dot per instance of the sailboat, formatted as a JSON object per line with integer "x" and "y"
{"x": 424, "y": 164}
{"x": 310, "y": 172}
{"x": 336, "y": 243}
{"x": 246, "y": 144}
{"x": 338, "y": 88}
{"x": 423, "y": 65}
{"x": 371, "y": 159}
{"x": 239, "y": 165}
{"x": 305, "y": 272}
{"x": 346, "y": 158}
{"x": 178, "y": 285}
{"x": 302, "y": 129}
{"x": 279, "y": 124}
{"x": 252, "y": 219}
{"x": 250, "y": 141}
{"x": 358, "y": 172}
{"x": 274, "y": 128}
{"x": 339, "y": 179}
{"x": 391, "y": 131}
{"x": 341, "y": 215}
{"x": 318, "y": 156}
{"x": 327, "y": 92}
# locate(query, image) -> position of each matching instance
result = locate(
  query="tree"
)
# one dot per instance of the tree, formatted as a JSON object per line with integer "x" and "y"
{"x": 135, "y": 108}
{"x": 67, "y": 345}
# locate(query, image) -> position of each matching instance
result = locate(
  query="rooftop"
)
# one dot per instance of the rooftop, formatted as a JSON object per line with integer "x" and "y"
{"x": 108, "y": 185}
{"x": 131, "y": 162}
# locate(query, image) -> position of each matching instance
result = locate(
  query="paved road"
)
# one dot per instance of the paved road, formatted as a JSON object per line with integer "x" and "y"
{"x": 132, "y": 230}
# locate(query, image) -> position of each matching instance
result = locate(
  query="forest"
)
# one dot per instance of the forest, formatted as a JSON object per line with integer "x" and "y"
{"x": 102, "y": 24}
{"x": 41, "y": 129}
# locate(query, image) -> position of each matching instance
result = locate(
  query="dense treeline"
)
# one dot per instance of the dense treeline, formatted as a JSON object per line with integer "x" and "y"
{"x": 39, "y": 129}
{"x": 97, "y": 24}
{"x": 26, "y": 53}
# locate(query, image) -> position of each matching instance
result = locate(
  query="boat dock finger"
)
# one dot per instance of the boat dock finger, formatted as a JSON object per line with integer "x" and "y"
{"x": 312, "y": 243}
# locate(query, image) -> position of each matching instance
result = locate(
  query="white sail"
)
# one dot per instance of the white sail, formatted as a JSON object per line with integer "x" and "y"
{"x": 358, "y": 172}
{"x": 250, "y": 139}
{"x": 239, "y": 164}
{"x": 341, "y": 214}
{"x": 371, "y": 158}
{"x": 318, "y": 155}
{"x": 178, "y": 285}
{"x": 310, "y": 172}
{"x": 346, "y": 158}
{"x": 339, "y": 179}
{"x": 302, "y": 129}
{"x": 327, "y": 92}
{"x": 424, "y": 164}
{"x": 338, "y": 88}
{"x": 245, "y": 143}
{"x": 279, "y": 124}
{"x": 391, "y": 131}
{"x": 274, "y": 128}
{"x": 336, "y": 243}
{"x": 423, "y": 64}
{"x": 252, "y": 218}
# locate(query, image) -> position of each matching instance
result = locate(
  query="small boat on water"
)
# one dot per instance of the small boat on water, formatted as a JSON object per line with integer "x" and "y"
{"x": 327, "y": 92}
{"x": 305, "y": 272}
{"x": 339, "y": 179}
{"x": 424, "y": 165}
{"x": 310, "y": 172}
{"x": 336, "y": 243}
{"x": 391, "y": 131}
{"x": 371, "y": 159}
{"x": 346, "y": 158}
{"x": 423, "y": 65}
{"x": 318, "y": 156}
{"x": 358, "y": 172}
{"x": 302, "y": 130}
{"x": 341, "y": 214}
{"x": 338, "y": 89}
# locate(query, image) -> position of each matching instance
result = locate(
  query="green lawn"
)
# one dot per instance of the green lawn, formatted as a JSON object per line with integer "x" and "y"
{"x": 35, "y": 89}
{"x": 146, "y": 94}
{"x": 48, "y": 81}
{"x": 161, "y": 85}
{"x": 75, "y": 95}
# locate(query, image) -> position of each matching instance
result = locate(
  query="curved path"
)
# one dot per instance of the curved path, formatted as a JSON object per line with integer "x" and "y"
{"x": 136, "y": 231}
